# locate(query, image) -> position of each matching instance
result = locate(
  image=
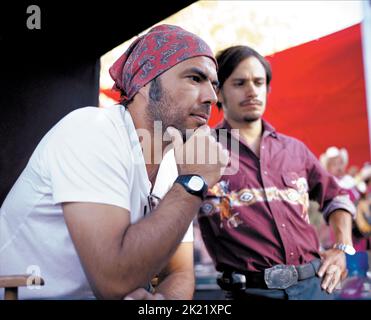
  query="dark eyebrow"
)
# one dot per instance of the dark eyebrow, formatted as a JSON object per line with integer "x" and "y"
{"x": 203, "y": 75}
{"x": 244, "y": 79}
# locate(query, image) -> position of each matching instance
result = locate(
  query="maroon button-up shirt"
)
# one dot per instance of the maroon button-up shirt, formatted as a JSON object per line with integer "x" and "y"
{"x": 258, "y": 216}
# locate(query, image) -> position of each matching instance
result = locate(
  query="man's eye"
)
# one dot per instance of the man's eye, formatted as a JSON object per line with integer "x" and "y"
{"x": 238, "y": 84}
{"x": 195, "y": 78}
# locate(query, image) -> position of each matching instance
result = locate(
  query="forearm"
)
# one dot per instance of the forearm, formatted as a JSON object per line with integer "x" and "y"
{"x": 148, "y": 245}
{"x": 177, "y": 286}
{"x": 341, "y": 223}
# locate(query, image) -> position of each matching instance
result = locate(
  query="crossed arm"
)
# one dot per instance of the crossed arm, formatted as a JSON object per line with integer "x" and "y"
{"x": 119, "y": 257}
{"x": 176, "y": 281}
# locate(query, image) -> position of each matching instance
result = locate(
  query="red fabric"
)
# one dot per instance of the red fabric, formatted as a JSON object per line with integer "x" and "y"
{"x": 113, "y": 94}
{"x": 150, "y": 55}
{"x": 318, "y": 94}
{"x": 216, "y": 116}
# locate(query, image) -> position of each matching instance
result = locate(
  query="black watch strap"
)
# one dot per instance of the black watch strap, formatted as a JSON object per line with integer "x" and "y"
{"x": 189, "y": 181}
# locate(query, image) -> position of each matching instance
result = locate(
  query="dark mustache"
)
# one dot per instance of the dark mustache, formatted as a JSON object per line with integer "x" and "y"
{"x": 252, "y": 101}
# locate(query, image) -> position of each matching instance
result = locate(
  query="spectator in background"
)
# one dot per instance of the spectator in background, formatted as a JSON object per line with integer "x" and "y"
{"x": 335, "y": 161}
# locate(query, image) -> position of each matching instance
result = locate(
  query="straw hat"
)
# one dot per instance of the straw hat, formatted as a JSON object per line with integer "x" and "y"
{"x": 333, "y": 152}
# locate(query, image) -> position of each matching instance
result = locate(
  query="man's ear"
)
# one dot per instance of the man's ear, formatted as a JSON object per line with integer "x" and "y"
{"x": 220, "y": 95}
{"x": 143, "y": 93}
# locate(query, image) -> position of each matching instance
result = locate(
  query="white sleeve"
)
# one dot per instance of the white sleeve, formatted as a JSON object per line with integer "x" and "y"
{"x": 86, "y": 163}
{"x": 188, "y": 237}
{"x": 166, "y": 176}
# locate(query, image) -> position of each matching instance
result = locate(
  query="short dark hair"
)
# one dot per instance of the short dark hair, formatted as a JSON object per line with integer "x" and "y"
{"x": 229, "y": 58}
{"x": 155, "y": 92}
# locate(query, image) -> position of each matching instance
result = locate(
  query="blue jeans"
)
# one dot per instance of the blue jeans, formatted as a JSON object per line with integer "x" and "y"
{"x": 308, "y": 289}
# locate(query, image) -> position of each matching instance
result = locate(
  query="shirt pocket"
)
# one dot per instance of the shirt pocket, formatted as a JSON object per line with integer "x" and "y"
{"x": 296, "y": 180}
{"x": 295, "y": 193}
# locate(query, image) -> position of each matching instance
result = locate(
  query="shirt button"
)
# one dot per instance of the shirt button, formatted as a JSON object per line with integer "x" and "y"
{"x": 283, "y": 225}
{"x": 265, "y": 172}
{"x": 291, "y": 254}
{"x": 263, "y": 147}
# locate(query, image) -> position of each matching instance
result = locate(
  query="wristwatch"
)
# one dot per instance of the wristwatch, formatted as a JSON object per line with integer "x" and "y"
{"x": 348, "y": 249}
{"x": 194, "y": 184}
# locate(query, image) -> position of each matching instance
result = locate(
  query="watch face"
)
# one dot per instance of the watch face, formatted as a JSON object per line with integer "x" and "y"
{"x": 346, "y": 248}
{"x": 349, "y": 250}
{"x": 196, "y": 183}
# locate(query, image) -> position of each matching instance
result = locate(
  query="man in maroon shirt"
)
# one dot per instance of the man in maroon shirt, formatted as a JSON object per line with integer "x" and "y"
{"x": 255, "y": 220}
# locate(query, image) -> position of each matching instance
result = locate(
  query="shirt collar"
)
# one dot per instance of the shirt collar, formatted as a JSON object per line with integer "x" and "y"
{"x": 268, "y": 129}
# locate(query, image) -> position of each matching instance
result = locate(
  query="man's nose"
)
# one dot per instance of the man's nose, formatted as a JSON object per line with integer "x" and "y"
{"x": 251, "y": 90}
{"x": 209, "y": 95}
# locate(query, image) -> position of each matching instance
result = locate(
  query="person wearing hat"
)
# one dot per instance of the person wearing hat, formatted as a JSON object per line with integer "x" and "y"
{"x": 79, "y": 214}
{"x": 255, "y": 222}
{"x": 335, "y": 161}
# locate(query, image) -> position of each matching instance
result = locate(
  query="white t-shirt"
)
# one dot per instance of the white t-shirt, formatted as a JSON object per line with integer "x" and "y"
{"x": 91, "y": 155}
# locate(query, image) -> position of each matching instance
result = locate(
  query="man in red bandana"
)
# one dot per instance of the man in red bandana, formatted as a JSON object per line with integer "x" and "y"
{"x": 82, "y": 214}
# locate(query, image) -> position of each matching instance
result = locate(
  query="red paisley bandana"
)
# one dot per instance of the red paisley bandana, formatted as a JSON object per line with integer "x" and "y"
{"x": 150, "y": 55}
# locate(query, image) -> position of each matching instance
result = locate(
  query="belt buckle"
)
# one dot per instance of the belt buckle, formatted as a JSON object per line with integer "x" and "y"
{"x": 280, "y": 276}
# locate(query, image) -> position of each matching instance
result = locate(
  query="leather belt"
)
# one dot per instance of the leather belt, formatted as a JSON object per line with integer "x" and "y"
{"x": 278, "y": 277}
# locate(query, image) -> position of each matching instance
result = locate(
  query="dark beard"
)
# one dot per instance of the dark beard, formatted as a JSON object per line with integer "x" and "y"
{"x": 250, "y": 119}
{"x": 159, "y": 108}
